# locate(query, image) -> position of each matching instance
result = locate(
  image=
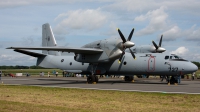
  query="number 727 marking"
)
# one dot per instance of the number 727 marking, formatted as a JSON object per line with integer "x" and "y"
{"x": 173, "y": 69}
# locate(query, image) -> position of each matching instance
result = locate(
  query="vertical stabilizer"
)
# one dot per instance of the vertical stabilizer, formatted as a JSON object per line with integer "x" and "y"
{"x": 48, "y": 39}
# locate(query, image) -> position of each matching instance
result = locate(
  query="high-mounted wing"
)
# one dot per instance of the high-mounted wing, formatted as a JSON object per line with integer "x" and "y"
{"x": 62, "y": 49}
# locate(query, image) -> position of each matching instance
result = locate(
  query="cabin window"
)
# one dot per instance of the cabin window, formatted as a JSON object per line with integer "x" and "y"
{"x": 125, "y": 63}
{"x": 70, "y": 63}
{"x": 166, "y": 57}
{"x": 62, "y": 60}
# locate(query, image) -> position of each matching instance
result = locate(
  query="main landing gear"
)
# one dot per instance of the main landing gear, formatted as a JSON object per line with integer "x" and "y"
{"x": 129, "y": 78}
{"x": 92, "y": 79}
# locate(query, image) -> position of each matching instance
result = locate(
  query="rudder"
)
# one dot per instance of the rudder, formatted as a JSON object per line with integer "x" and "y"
{"x": 48, "y": 39}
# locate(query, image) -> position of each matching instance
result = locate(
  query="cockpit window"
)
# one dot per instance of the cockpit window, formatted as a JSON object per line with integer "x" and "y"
{"x": 176, "y": 57}
{"x": 166, "y": 57}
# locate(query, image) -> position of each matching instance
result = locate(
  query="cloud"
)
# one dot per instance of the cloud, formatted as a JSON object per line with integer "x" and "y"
{"x": 28, "y": 41}
{"x": 141, "y": 18}
{"x": 157, "y": 21}
{"x": 192, "y": 34}
{"x": 111, "y": 30}
{"x": 180, "y": 51}
{"x": 187, "y": 54}
{"x": 80, "y": 19}
{"x": 18, "y": 3}
{"x": 172, "y": 33}
{"x": 194, "y": 57}
{"x": 182, "y": 6}
{"x": 13, "y": 3}
{"x": 132, "y": 5}
{"x": 17, "y": 60}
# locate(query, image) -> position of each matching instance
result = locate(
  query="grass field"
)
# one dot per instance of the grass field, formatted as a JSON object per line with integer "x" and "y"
{"x": 40, "y": 99}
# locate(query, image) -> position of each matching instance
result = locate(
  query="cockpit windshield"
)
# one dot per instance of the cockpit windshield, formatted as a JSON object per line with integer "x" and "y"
{"x": 173, "y": 57}
{"x": 176, "y": 57}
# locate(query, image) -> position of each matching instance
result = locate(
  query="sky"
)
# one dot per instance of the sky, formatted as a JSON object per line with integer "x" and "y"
{"x": 78, "y": 22}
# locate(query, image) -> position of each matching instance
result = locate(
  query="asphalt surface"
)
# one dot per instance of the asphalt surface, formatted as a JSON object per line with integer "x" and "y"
{"x": 141, "y": 84}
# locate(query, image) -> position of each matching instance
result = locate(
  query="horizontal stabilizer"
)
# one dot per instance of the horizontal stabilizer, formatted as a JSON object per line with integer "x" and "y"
{"x": 29, "y": 53}
{"x": 62, "y": 49}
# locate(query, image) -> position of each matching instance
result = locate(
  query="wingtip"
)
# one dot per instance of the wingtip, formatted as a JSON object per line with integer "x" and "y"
{"x": 9, "y": 48}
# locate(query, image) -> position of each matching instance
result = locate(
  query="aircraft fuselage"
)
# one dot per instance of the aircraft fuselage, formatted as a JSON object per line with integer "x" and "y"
{"x": 146, "y": 63}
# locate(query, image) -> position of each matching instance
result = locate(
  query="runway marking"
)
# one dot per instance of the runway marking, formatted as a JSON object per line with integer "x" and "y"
{"x": 111, "y": 89}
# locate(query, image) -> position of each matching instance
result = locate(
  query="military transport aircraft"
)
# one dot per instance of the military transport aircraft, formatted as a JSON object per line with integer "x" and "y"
{"x": 107, "y": 56}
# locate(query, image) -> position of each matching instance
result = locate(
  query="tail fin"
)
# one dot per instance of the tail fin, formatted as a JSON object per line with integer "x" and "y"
{"x": 48, "y": 39}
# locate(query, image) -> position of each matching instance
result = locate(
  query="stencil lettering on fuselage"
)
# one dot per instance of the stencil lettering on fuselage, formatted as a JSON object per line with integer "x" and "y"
{"x": 151, "y": 64}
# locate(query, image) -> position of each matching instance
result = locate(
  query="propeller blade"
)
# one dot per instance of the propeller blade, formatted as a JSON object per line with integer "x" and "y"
{"x": 121, "y": 35}
{"x": 155, "y": 45}
{"x": 132, "y": 53}
{"x": 130, "y": 35}
{"x": 160, "y": 41}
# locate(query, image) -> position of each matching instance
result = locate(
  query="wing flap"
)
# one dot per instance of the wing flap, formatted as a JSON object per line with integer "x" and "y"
{"x": 62, "y": 49}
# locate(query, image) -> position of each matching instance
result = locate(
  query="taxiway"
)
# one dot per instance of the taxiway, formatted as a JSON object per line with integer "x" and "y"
{"x": 140, "y": 85}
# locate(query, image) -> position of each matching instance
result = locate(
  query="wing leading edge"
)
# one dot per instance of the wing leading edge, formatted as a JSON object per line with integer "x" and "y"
{"x": 62, "y": 49}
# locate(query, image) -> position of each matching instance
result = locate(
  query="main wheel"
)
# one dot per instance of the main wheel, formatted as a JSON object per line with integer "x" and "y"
{"x": 128, "y": 78}
{"x": 173, "y": 80}
{"x": 96, "y": 79}
{"x": 90, "y": 79}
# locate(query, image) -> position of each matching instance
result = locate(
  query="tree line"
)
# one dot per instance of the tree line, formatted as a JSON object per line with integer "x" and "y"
{"x": 21, "y": 67}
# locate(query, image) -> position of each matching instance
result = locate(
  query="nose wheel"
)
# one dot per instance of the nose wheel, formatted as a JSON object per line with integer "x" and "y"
{"x": 172, "y": 80}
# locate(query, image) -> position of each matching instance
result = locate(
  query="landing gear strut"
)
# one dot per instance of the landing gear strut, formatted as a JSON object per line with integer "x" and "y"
{"x": 92, "y": 79}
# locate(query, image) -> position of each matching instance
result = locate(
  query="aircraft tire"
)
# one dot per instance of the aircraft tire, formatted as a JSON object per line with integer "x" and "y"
{"x": 128, "y": 78}
{"x": 173, "y": 80}
{"x": 96, "y": 79}
{"x": 90, "y": 79}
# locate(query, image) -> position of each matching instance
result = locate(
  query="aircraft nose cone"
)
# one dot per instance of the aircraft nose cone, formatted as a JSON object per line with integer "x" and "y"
{"x": 193, "y": 67}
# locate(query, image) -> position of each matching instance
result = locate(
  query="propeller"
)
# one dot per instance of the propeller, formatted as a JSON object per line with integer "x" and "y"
{"x": 126, "y": 44}
{"x": 158, "y": 47}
